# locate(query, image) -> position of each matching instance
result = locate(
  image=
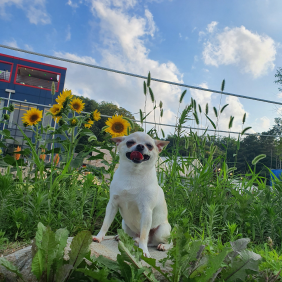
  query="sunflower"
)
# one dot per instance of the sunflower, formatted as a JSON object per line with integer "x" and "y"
{"x": 77, "y": 105}
{"x": 96, "y": 115}
{"x": 74, "y": 122}
{"x": 17, "y": 156}
{"x": 117, "y": 126}
{"x": 65, "y": 95}
{"x": 56, "y": 119}
{"x": 89, "y": 123}
{"x": 32, "y": 116}
{"x": 56, "y": 109}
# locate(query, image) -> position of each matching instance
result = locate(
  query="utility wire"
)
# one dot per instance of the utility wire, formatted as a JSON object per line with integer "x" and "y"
{"x": 163, "y": 124}
{"x": 139, "y": 76}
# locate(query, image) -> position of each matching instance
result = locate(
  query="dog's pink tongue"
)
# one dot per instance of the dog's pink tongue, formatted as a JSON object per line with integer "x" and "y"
{"x": 135, "y": 155}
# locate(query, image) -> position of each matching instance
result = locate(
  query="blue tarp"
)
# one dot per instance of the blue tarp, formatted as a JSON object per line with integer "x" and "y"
{"x": 277, "y": 173}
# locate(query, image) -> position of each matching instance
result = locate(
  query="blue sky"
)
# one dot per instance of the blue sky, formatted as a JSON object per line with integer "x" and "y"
{"x": 193, "y": 42}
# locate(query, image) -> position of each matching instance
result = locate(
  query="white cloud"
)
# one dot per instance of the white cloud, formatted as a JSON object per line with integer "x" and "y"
{"x": 279, "y": 95}
{"x": 28, "y": 47}
{"x": 35, "y": 10}
{"x": 12, "y": 43}
{"x": 68, "y": 36}
{"x": 73, "y": 5}
{"x": 211, "y": 26}
{"x": 180, "y": 35}
{"x": 262, "y": 124}
{"x": 124, "y": 49}
{"x": 253, "y": 53}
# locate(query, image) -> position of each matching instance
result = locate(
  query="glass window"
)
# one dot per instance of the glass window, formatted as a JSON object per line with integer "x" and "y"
{"x": 5, "y": 70}
{"x": 46, "y": 118}
{"x": 36, "y": 78}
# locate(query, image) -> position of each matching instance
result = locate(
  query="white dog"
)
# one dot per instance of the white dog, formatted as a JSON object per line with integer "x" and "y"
{"x": 135, "y": 192}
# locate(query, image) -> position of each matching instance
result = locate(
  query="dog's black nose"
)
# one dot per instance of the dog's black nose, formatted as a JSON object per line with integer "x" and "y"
{"x": 140, "y": 147}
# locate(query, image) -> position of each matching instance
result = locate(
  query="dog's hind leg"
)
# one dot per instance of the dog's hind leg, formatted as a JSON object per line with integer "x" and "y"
{"x": 160, "y": 236}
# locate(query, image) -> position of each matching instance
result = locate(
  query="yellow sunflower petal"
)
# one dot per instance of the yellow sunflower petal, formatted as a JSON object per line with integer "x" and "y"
{"x": 66, "y": 94}
{"x": 77, "y": 105}
{"x": 117, "y": 126}
{"x": 96, "y": 115}
{"x": 56, "y": 109}
{"x": 32, "y": 116}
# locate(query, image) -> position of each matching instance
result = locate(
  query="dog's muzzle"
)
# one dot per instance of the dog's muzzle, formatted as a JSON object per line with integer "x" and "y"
{"x": 134, "y": 156}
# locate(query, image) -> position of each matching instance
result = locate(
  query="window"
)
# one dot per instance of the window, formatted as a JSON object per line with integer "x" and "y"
{"x": 46, "y": 118}
{"x": 1, "y": 106}
{"x": 33, "y": 77}
{"x": 5, "y": 71}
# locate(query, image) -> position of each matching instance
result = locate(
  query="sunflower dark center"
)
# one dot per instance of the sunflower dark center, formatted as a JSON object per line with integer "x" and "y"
{"x": 76, "y": 106}
{"x": 34, "y": 117}
{"x": 118, "y": 127}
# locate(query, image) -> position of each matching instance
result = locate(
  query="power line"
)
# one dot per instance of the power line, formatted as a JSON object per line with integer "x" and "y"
{"x": 139, "y": 76}
{"x": 154, "y": 123}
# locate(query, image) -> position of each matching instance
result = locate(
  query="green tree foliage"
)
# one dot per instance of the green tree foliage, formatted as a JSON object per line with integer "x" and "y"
{"x": 105, "y": 108}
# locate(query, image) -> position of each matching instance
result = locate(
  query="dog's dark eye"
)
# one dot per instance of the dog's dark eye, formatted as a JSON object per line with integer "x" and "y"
{"x": 130, "y": 143}
{"x": 149, "y": 146}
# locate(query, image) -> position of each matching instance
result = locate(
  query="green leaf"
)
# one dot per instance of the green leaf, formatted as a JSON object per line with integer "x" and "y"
{"x": 200, "y": 108}
{"x": 163, "y": 134}
{"x": 196, "y": 117}
{"x": 63, "y": 273}
{"x": 245, "y": 129}
{"x": 91, "y": 138}
{"x": 244, "y": 118}
{"x": 53, "y": 151}
{"x": 151, "y": 95}
{"x": 207, "y": 108}
{"x": 145, "y": 88}
{"x": 61, "y": 237}
{"x": 258, "y": 158}
{"x": 39, "y": 234}
{"x": 223, "y": 108}
{"x": 211, "y": 122}
{"x": 79, "y": 247}
{"x": 182, "y": 96}
{"x": 149, "y": 79}
{"x": 100, "y": 156}
{"x": 230, "y": 122}
{"x": 222, "y": 85}
{"x": 215, "y": 111}
{"x": 214, "y": 264}
{"x": 37, "y": 265}
{"x": 49, "y": 250}
{"x": 127, "y": 256}
{"x": 130, "y": 122}
{"x": 100, "y": 275}
{"x": 141, "y": 116}
{"x": 8, "y": 265}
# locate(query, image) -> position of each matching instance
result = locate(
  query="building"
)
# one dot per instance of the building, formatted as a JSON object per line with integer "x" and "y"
{"x": 27, "y": 81}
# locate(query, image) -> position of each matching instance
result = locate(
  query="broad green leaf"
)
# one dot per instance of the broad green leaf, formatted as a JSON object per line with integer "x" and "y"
{"x": 39, "y": 234}
{"x": 63, "y": 272}
{"x": 240, "y": 244}
{"x": 214, "y": 264}
{"x": 79, "y": 247}
{"x": 100, "y": 275}
{"x": 49, "y": 247}
{"x": 37, "y": 265}
{"x": 8, "y": 265}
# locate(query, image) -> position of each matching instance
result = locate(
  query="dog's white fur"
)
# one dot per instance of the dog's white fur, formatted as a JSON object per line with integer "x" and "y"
{"x": 135, "y": 192}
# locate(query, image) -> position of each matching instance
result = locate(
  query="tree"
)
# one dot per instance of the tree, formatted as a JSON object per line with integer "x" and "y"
{"x": 279, "y": 76}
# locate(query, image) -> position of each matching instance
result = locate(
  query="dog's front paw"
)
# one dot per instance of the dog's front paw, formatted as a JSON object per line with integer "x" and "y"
{"x": 146, "y": 254}
{"x": 97, "y": 239}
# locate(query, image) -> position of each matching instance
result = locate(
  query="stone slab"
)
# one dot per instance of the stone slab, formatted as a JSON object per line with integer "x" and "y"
{"x": 107, "y": 248}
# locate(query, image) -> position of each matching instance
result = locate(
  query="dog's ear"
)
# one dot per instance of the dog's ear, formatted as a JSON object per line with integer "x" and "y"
{"x": 161, "y": 144}
{"x": 118, "y": 140}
